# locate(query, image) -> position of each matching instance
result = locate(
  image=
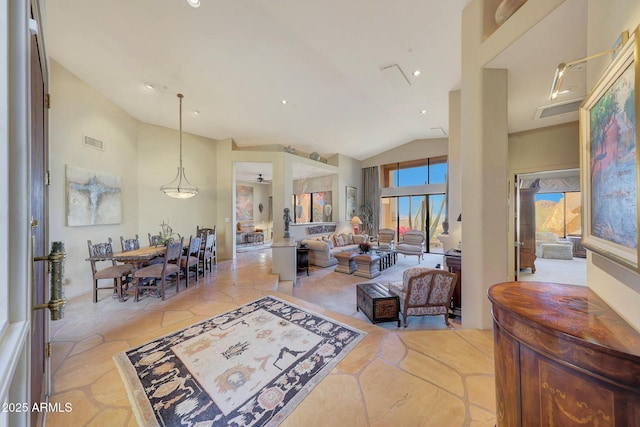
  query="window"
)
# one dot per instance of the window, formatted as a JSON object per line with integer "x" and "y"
{"x": 415, "y": 172}
{"x": 559, "y": 213}
{"x": 417, "y": 212}
{"x": 312, "y": 207}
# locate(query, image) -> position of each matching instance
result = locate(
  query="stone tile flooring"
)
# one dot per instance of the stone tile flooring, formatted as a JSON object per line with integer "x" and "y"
{"x": 395, "y": 376}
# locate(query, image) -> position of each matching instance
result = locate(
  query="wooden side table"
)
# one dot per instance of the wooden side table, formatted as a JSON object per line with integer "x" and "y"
{"x": 302, "y": 255}
{"x": 377, "y": 303}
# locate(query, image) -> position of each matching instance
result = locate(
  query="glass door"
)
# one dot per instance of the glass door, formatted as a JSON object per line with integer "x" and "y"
{"x": 403, "y": 213}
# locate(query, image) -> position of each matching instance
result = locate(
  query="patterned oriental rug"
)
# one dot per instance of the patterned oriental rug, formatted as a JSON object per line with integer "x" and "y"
{"x": 249, "y": 367}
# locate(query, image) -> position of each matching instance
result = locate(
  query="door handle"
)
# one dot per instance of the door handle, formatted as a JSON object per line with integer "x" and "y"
{"x": 56, "y": 267}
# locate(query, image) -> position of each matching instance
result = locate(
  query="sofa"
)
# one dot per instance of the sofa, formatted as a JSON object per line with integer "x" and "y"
{"x": 246, "y": 232}
{"x": 551, "y": 246}
{"x": 322, "y": 249}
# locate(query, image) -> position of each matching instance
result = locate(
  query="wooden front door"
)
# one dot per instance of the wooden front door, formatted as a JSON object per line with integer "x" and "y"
{"x": 39, "y": 235}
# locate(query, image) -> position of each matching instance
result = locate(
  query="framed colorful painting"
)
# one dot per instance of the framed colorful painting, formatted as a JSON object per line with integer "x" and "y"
{"x": 609, "y": 161}
{"x": 351, "y": 199}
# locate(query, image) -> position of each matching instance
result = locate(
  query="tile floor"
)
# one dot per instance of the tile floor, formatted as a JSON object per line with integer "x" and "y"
{"x": 395, "y": 376}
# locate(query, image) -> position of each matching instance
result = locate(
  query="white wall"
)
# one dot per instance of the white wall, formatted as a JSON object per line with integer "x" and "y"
{"x": 78, "y": 110}
{"x": 550, "y": 148}
{"x": 418, "y": 149}
{"x": 619, "y": 287}
{"x": 544, "y": 149}
{"x": 158, "y": 153}
{"x": 144, "y": 156}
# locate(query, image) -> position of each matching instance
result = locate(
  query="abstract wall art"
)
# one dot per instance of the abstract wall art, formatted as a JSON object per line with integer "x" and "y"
{"x": 93, "y": 198}
{"x": 244, "y": 202}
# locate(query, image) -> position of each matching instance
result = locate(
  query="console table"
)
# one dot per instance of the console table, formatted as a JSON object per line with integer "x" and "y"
{"x": 302, "y": 259}
{"x": 563, "y": 357}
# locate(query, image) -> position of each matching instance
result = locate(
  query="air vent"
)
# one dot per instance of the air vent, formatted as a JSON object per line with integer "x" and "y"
{"x": 556, "y": 109}
{"x": 93, "y": 143}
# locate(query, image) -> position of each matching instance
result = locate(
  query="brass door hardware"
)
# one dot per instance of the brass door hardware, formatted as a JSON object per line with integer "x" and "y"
{"x": 56, "y": 267}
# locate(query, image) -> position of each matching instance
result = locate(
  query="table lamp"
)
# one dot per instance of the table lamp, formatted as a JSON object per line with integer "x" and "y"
{"x": 355, "y": 221}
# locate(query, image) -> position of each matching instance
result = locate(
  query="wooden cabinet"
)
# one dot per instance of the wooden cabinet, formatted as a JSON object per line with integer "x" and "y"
{"x": 454, "y": 264}
{"x": 527, "y": 235}
{"x": 563, "y": 357}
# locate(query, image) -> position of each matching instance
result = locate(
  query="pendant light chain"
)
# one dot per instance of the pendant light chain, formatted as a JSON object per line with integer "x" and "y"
{"x": 180, "y": 187}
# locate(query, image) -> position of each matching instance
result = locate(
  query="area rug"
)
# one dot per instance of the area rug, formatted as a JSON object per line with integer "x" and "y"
{"x": 247, "y": 367}
{"x": 253, "y": 248}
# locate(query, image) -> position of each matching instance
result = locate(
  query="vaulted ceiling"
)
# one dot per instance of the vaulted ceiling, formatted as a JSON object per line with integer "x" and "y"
{"x": 345, "y": 68}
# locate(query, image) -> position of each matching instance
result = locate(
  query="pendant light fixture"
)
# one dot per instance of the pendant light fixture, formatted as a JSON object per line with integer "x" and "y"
{"x": 180, "y": 187}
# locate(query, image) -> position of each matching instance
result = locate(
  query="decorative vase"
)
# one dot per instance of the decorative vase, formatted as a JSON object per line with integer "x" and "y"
{"x": 507, "y": 8}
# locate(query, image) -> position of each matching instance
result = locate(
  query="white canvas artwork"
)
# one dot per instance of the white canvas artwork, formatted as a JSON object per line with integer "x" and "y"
{"x": 93, "y": 198}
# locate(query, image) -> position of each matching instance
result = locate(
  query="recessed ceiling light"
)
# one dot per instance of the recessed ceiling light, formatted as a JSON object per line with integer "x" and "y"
{"x": 416, "y": 73}
{"x": 423, "y": 112}
{"x": 284, "y": 101}
{"x": 194, "y": 3}
{"x": 149, "y": 86}
{"x": 197, "y": 113}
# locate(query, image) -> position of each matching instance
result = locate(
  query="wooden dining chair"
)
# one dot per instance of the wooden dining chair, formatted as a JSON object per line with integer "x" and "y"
{"x": 155, "y": 240}
{"x": 117, "y": 273}
{"x": 191, "y": 259}
{"x": 129, "y": 244}
{"x": 206, "y": 255}
{"x": 170, "y": 267}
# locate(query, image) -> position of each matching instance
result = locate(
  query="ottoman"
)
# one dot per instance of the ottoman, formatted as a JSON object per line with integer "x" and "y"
{"x": 368, "y": 265}
{"x": 346, "y": 262}
{"x": 557, "y": 250}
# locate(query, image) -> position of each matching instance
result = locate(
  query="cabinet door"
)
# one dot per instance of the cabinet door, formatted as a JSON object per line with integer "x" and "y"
{"x": 555, "y": 396}
{"x": 507, "y": 364}
{"x": 528, "y": 228}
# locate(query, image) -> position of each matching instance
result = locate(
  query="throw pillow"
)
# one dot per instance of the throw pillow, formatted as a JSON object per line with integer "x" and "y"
{"x": 329, "y": 241}
{"x": 339, "y": 241}
{"x": 349, "y": 239}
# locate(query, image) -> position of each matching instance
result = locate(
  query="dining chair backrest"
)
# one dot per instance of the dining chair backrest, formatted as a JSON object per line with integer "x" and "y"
{"x": 194, "y": 246}
{"x": 174, "y": 252}
{"x": 155, "y": 240}
{"x": 208, "y": 243}
{"x": 130, "y": 244}
{"x": 100, "y": 250}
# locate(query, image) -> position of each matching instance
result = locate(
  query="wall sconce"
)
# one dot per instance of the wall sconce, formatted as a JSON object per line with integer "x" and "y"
{"x": 562, "y": 67}
{"x": 355, "y": 221}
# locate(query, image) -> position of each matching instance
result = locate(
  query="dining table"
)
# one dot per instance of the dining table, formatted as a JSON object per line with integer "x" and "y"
{"x": 138, "y": 257}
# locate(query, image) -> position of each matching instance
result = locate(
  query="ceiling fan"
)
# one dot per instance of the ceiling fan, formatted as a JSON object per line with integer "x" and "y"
{"x": 261, "y": 179}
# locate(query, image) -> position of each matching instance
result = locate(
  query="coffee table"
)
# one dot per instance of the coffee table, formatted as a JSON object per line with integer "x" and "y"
{"x": 377, "y": 303}
{"x": 346, "y": 262}
{"x": 368, "y": 266}
{"x": 388, "y": 257}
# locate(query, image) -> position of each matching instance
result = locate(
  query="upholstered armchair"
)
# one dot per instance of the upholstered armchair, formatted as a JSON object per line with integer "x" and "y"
{"x": 412, "y": 244}
{"x": 386, "y": 238}
{"x": 425, "y": 292}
